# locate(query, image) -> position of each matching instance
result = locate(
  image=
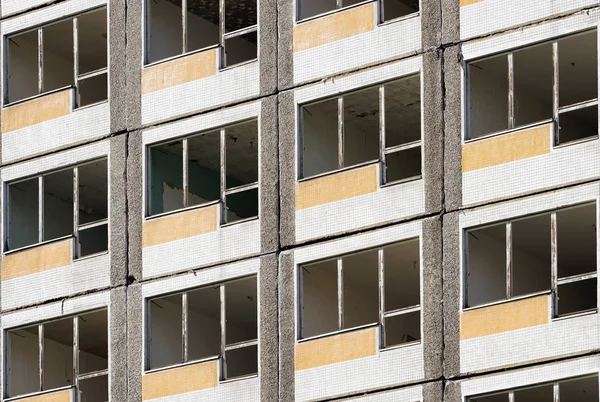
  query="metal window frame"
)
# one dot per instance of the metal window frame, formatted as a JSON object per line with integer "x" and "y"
{"x": 77, "y": 77}
{"x": 77, "y": 376}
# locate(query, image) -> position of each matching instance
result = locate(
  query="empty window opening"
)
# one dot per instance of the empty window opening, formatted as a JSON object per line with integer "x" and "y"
{"x": 217, "y": 321}
{"x": 69, "y": 202}
{"x": 392, "y": 9}
{"x": 49, "y": 58}
{"x": 178, "y": 27}
{"x": 219, "y": 165}
{"x": 580, "y": 389}
{"x": 515, "y": 258}
{"x": 41, "y": 357}
{"x": 378, "y": 286}
{"x": 349, "y": 131}
{"x": 555, "y": 80}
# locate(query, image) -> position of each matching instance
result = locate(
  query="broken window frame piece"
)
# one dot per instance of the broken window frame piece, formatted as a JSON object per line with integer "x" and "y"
{"x": 383, "y": 313}
{"x": 555, "y": 280}
{"x": 384, "y": 150}
{"x": 76, "y": 226}
{"x": 77, "y": 77}
{"x": 556, "y": 108}
{"x": 225, "y": 347}
{"x": 339, "y": 6}
{"x": 224, "y": 191}
{"x": 223, "y": 36}
{"x": 77, "y": 376}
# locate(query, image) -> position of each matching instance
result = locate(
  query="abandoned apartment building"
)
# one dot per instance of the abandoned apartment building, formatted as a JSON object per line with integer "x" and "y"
{"x": 299, "y": 200}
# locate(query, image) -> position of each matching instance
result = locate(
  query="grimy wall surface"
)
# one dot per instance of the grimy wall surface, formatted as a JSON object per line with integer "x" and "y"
{"x": 367, "y": 280}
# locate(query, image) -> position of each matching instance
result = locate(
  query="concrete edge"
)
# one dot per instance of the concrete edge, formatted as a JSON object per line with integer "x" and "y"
{"x": 287, "y": 168}
{"x": 451, "y": 294}
{"x": 267, "y": 18}
{"x": 118, "y": 344}
{"x": 287, "y": 328}
{"x": 134, "y": 57}
{"x": 135, "y": 200}
{"x": 117, "y": 21}
{"x": 269, "y": 176}
{"x": 269, "y": 318}
{"x": 285, "y": 57}
{"x": 118, "y": 213}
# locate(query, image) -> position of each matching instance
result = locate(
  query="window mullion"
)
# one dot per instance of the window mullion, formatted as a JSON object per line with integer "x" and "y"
{"x": 41, "y": 209}
{"x": 76, "y": 351}
{"x": 186, "y": 176}
{"x": 76, "y": 208}
{"x": 554, "y": 260}
{"x": 340, "y": 293}
{"x": 381, "y": 277}
{"x": 223, "y": 332}
{"x": 184, "y": 44}
{"x": 382, "y": 143}
{"x": 511, "y": 396}
{"x": 40, "y": 61}
{"x": 509, "y": 254}
{"x": 41, "y": 356}
{"x": 76, "y": 56}
{"x": 223, "y": 153}
{"x": 340, "y": 132}
{"x": 339, "y": 4}
{"x": 555, "y": 88}
{"x": 222, "y": 32}
{"x": 511, "y": 92}
{"x": 556, "y": 391}
{"x": 184, "y": 327}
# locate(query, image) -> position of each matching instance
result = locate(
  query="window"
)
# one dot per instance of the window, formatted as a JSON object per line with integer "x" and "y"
{"x": 389, "y": 9}
{"x": 217, "y": 321}
{"x": 583, "y": 389}
{"x": 178, "y": 27}
{"x": 219, "y": 165}
{"x": 69, "y": 202}
{"x": 345, "y": 293}
{"x": 379, "y": 123}
{"x": 71, "y": 52}
{"x": 67, "y": 352}
{"x": 552, "y": 251}
{"x": 555, "y": 80}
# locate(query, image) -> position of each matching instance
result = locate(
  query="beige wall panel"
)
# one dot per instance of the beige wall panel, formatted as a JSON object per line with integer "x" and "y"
{"x": 179, "y": 380}
{"x": 179, "y": 226}
{"x": 37, "y": 259}
{"x": 179, "y": 71}
{"x": 60, "y": 396}
{"x": 467, "y": 2}
{"x": 37, "y": 110}
{"x": 336, "y": 187}
{"x": 336, "y": 349}
{"x": 505, "y": 317}
{"x": 334, "y": 27}
{"x": 506, "y": 148}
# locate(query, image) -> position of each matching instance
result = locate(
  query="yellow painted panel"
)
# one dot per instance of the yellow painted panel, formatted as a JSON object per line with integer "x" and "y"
{"x": 37, "y": 110}
{"x": 467, "y": 2}
{"x": 336, "y": 187}
{"x": 334, "y": 27}
{"x": 504, "y": 317}
{"x": 37, "y": 259}
{"x": 179, "y": 226}
{"x": 179, "y": 380}
{"x": 336, "y": 349}
{"x": 60, "y": 396}
{"x": 506, "y": 148}
{"x": 179, "y": 71}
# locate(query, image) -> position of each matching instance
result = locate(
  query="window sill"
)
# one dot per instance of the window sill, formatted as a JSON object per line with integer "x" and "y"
{"x": 245, "y": 220}
{"x": 43, "y": 243}
{"x": 335, "y": 333}
{"x": 179, "y": 56}
{"x": 243, "y": 63}
{"x": 508, "y": 131}
{"x": 331, "y": 12}
{"x": 91, "y": 256}
{"x": 575, "y": 315}
{"x": 186, "y": 209}
{"x": 181, "y": 365}
{"x": 37, "y": 394}
{"x": 340, "y": 170}
{"x": 241, "y": 378}
{"x": 576, "y": 142}
{"x": 90, "y": 105}
{"x": 38, "y": 96}
{"x": 401, "y": 346}
{"x": 400, "y": 19}
{"x": 505, "y": 301}
{"x": 402, "y": 181}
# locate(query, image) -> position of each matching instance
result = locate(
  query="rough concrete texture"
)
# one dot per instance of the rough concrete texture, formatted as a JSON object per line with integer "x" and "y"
{"x": 134, "y": 56}
{"x": 268, "y": 46}
{"x": 269, "y": 176}
{"x": 118, "y": 65}
{"x": 433, "y": 391}
{"x": 433, "y": 127}
{"x": 452, "y": 128}
{"x": 452, "y": 392}
{"x": 431, "y": 23}
{"x": 287, "y": 328}
{"x": 287, "y": 168}
{"x": 135, "y": 200}
{"x": 451, "y": 294}
{"x": 433, "y": 342}
{"x": 118, "y": 344}
{"x": 285, "y": 45}
{"x": 269, "y": 332}
{"x": 118, "y": 210}
{"x": 451, "y": 21}
{"x": 135, "y": 346}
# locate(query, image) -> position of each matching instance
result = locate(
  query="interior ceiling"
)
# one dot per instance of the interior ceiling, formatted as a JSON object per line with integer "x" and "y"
{"x": 238, "y": 13}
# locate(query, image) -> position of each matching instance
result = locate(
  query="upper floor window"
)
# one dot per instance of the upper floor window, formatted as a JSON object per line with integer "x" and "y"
{"x": 69, "y": 202}
{"x": 378, "y": 286}
{"x": 583, "y": 389}
{"x": 219, "y": 165}
{"x": 553, "y": 251}
{"x": 378, "y": 123}
{"x": 69, "y": 352}
{"x": 389, "y": 9}
{"x": 176, "y": 27}
{"x": 555, "y": 80}
{"x": 214, "y": 322}
{"x": 67, "y": 53}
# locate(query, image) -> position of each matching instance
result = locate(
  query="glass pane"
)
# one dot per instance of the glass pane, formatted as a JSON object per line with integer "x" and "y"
{"x": 93, "y": 342}
{"x": 486, "y": 264}
{"x": 576, "y": 240}
{"x": 240, "y": 311}
{"x": 93, "y": 191}
{"x": 204, "y": 323}
{"x": 58, "y": 353}
{"x": 202, "y": 24}
{"x": 361, "y": 126}
{"x": 165, "y": 332}
{"x": 93, "y": 240}
{"x": 402, "y": 266}
{"x": 92, "y": 37}
{"x": 240, "y": 14}
{"x": 242, "y": 205}
{"x": 403, "y": 165}
{"x": 22, "y": 361}
{"x": 578, "y": 68}
{"x": 164, "y": 25}
{"x": 399, "y": 8}
{"x": 94, "y": 389}
{"x": 242, "y": 362}
{"x": 319, "y": 310}
{"x": 93, "y": 90}
{"x": 403, "y": 111}
{"x": 22, "y": 66}
{"x": 531, "y": 255}
{"x": 240, "y": 49}
{"x": 241, "y": 147}
{"x": 404, "y": 328}
{"x": 319, "y": 137}
{"x": 577, "y": 297}
{"x": 166, "y": 177}
{"x": 361, "y": 289}
{"x": 204, "y": 168}
{"x": 23, "y": 213}
{"x": 578, "y": 124}
{"x": 58, "y": 55}
{"x": 58, "y": 204}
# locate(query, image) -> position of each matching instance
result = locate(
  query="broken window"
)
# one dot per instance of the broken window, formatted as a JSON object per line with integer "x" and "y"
{"x": 515, "y": 258}
{"x": 176, "y": 27}
{"x": 71, "y": 52}
{"x": 377, "y": 286}
{"x": 66, "y": 352}
{"x": 389, "y": 9}
{"x": 555, "y": 80}
{"x": 218, "y": 165}
{"x": 379, "y": 123}
{"x": 69, "y": 202}
{"x": 582, "y": 389}
{"x": 216, "y": 321}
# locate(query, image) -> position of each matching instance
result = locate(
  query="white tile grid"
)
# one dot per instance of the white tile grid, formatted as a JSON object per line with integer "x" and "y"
{"x": 412, "y": 394}
{"x": 226, "y": 86}
{"x": 378, "y": 45}
{"x": 8, "y": 7}
{"x": 489, "y": 16}
{"x": 243, "y": 390}
{"x": 76, "y": 127}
